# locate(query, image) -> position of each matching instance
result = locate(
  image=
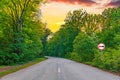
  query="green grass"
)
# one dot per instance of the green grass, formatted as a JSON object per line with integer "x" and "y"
{"x": 19, "y": 67}
{"x": 2, "y": 66}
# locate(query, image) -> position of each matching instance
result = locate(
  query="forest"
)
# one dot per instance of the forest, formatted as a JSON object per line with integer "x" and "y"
{"x": 79, "y": 37}
{"x": 24, "y": 37}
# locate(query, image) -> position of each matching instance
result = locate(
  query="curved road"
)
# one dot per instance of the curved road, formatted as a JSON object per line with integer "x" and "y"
{"x": 60, "y": 69}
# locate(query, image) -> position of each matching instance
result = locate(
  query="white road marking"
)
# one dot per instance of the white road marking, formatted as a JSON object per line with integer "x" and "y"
{"x": 59, "y": 70}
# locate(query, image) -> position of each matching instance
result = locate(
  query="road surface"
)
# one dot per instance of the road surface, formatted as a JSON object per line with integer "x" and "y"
{"x": 60, "y": 69}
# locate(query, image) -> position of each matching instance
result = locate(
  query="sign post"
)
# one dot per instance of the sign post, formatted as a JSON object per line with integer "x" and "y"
{"x": 101, "y": 47}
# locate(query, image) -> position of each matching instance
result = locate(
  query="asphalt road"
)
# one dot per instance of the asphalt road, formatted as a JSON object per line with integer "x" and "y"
{"x": 60, "y": 69}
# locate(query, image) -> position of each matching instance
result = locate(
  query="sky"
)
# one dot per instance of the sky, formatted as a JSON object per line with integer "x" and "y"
{"x": 55, "y": 11}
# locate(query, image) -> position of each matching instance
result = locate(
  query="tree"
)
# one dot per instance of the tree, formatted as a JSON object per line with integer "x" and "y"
{"x": 21, "y": 31}
{"x": 44, "y": 38}
{"x": 17, "y": 11}
{"x": 75, "y": 18}
{"x": 84, "y": 45}
{"x": 62, "y": 41}
{"x": 112, "y": 26}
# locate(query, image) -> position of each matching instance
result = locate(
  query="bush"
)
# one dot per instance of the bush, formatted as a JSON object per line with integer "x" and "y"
{"x": 8, "y": 58}
{"x": 84, "y": 45}
{"x": 75, "y": 56}
{"x": 108, "y": 60}
{"x": 28, "y": 53}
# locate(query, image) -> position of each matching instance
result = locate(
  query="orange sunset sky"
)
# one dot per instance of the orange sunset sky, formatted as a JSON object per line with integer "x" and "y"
{"x": 55, "y": 11}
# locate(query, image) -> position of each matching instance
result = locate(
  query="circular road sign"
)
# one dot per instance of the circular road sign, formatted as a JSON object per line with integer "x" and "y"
{"x": 101, "y": 46}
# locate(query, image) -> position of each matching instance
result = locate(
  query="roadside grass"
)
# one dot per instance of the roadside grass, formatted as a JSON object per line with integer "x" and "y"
{"x": 19, "y": 67}
{"x": 2, "y": 66}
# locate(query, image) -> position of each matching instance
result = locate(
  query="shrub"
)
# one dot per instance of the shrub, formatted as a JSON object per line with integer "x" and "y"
{"x": 108, "y": 60}
{"x": 8, "y": 58}
{"x": 84, "y": 45}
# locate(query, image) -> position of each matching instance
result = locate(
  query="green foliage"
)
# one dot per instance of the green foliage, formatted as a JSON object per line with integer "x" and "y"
{"x": 21, "y": 31}
{"x": 44, "y": 39}
{"x": 116, "y": 40}
{"x": 30, "y": 51}
{"x": 76, "y": 18}
{"x": 84, "y": 46}
{"x": 109, "y": 59}
{"x": 74, "y": 56}
{"x": 111, "y": 26}
{"x": 62, "y": 41}
{"x": 8, "y": 58}
{"x": 23, "y": 36}
{"x": 93, "y": 29}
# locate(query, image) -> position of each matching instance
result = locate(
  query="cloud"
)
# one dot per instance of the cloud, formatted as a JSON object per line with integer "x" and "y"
{"x": 115, "y": 3}
{"x": 80, "y": 2}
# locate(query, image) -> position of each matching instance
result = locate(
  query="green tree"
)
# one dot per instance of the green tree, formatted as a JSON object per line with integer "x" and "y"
{"x": 111, "y": 29}
{"x": 62, "y": 41}
{"x": 21, "y": 31}
{"x": 44, "y": 40}
{"x": 17, "y": 11}
{"x": 84, "y": 45}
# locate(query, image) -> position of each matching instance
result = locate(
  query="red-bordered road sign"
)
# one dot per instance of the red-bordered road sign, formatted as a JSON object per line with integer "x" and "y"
{"x": 101, "y": 46}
